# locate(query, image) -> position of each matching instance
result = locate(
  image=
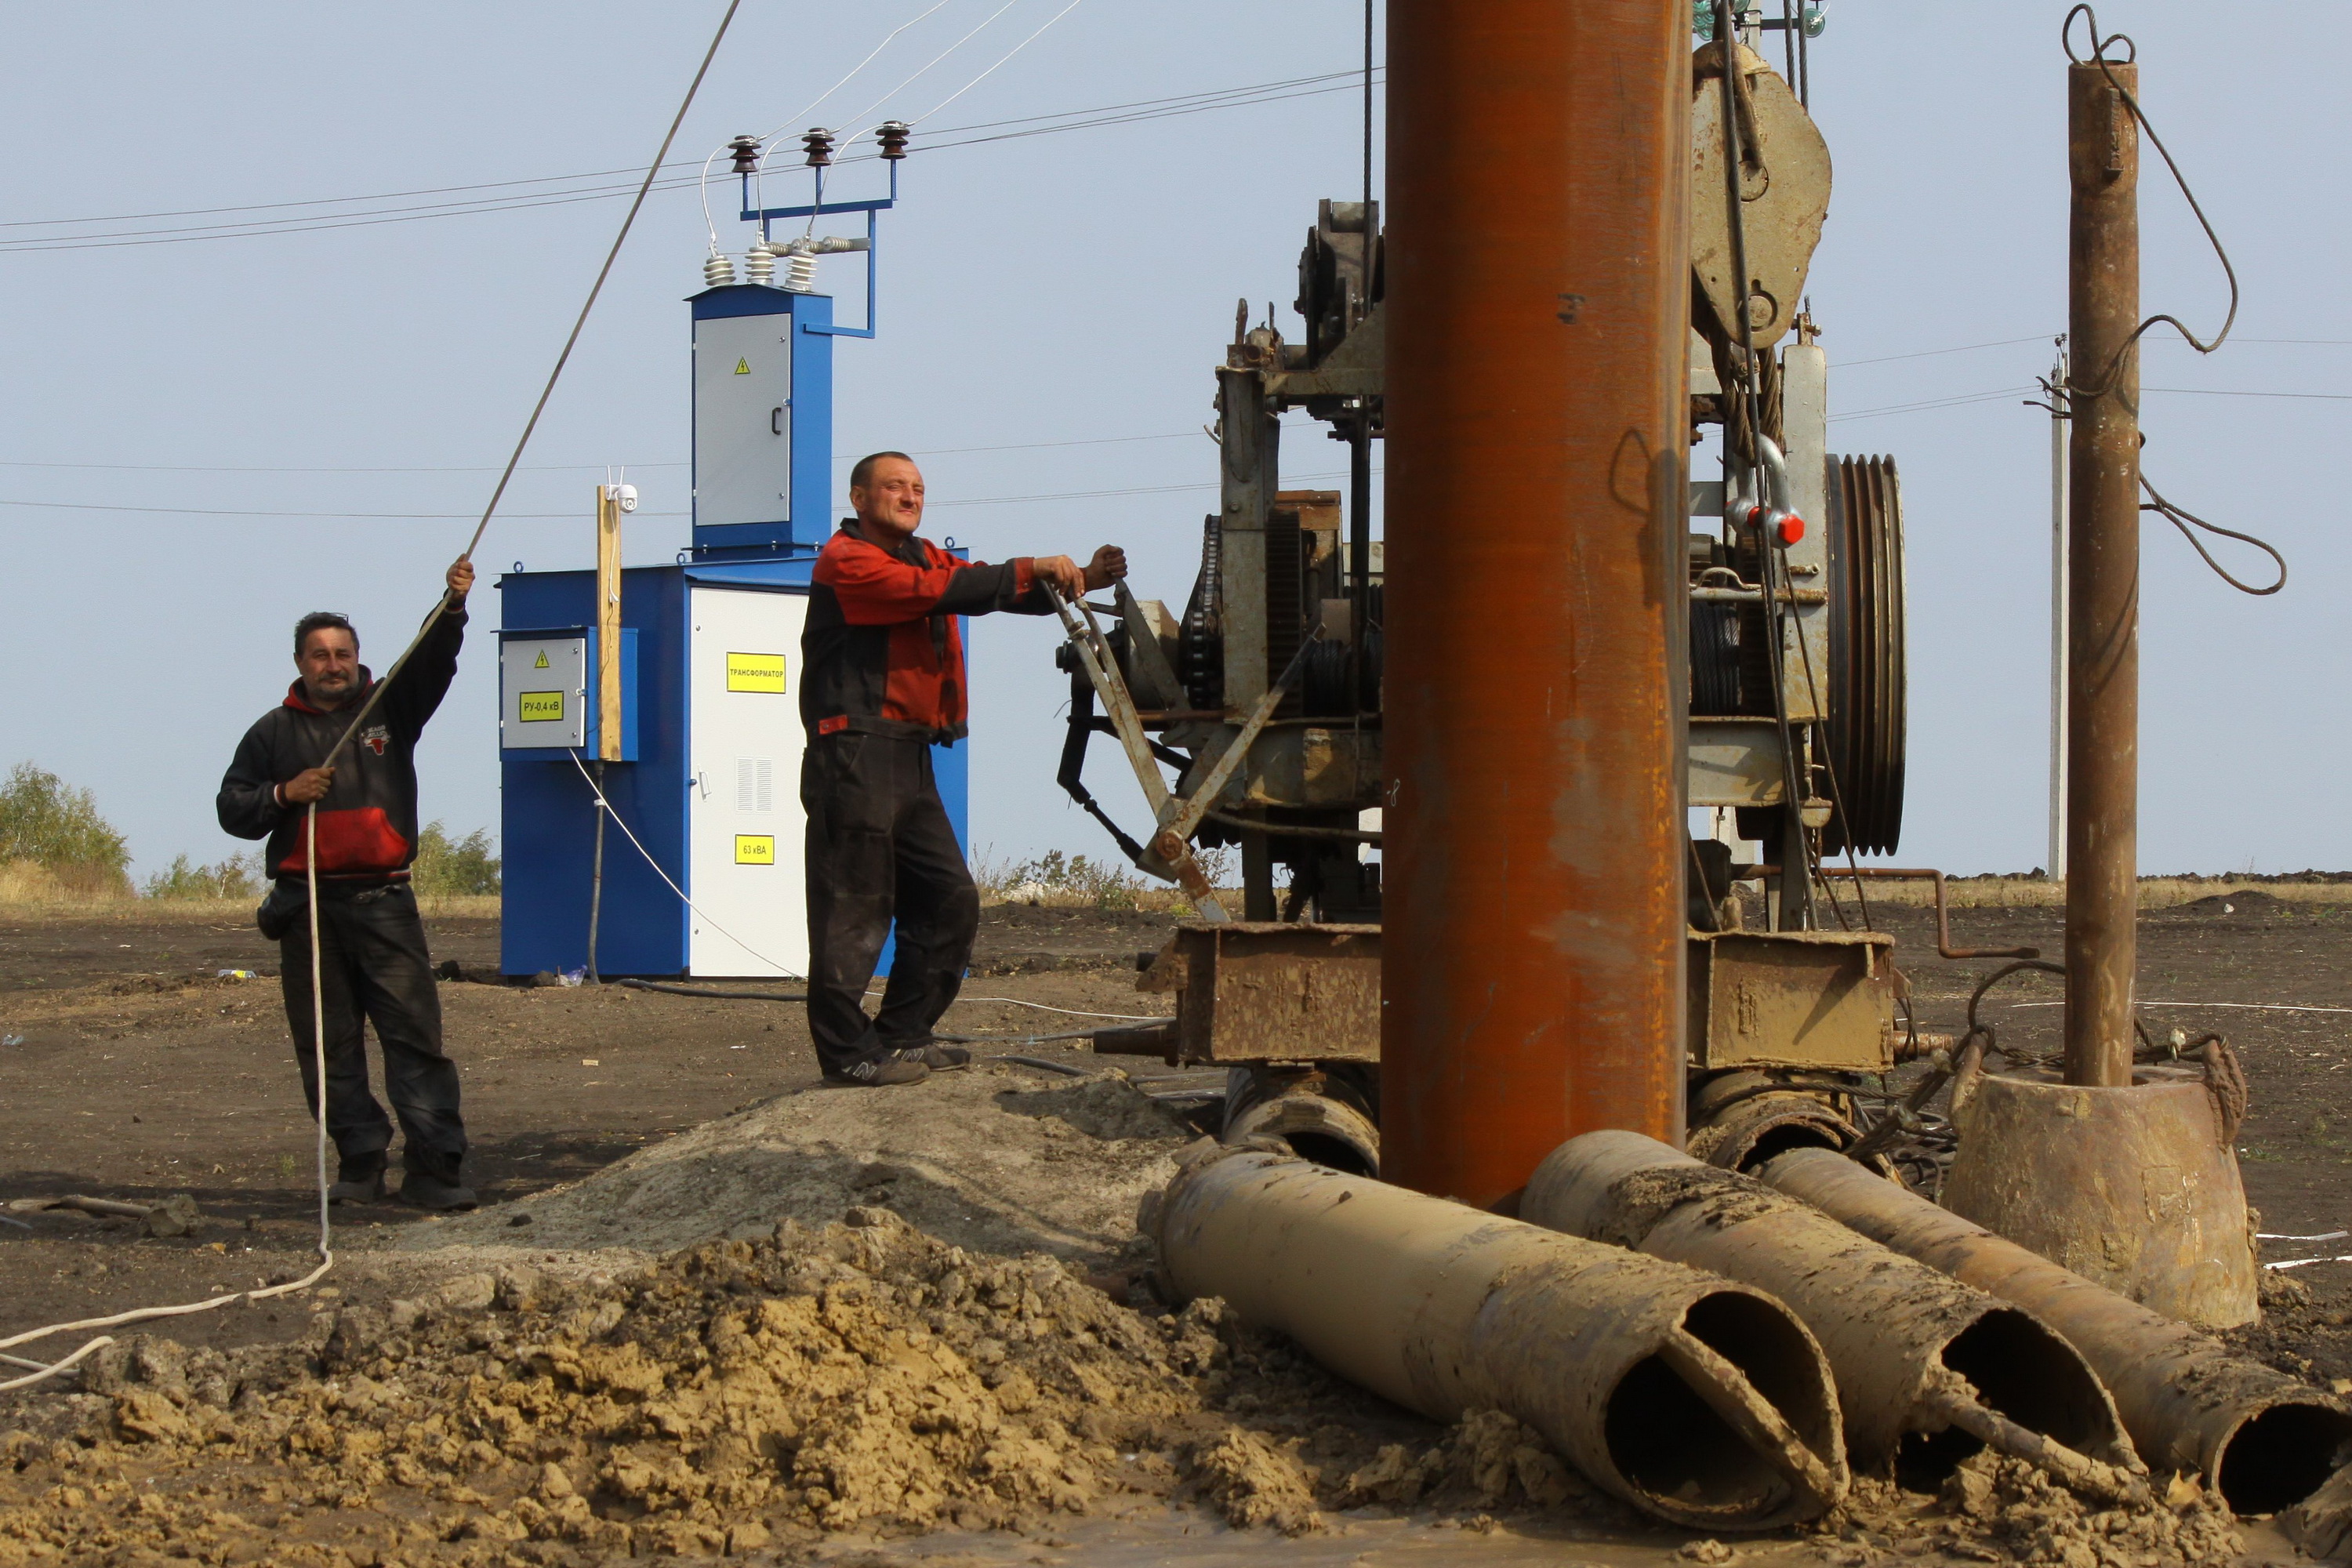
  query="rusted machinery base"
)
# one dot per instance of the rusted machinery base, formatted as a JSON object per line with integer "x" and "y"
{"x": 2154, "y": 1209}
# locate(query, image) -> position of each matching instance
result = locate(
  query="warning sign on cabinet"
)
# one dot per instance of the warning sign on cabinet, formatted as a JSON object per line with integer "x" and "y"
{"x": 755, "y": 672}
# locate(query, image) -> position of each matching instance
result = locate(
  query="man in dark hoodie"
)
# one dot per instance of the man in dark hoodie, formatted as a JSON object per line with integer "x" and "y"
{"x": 371, "y": 959}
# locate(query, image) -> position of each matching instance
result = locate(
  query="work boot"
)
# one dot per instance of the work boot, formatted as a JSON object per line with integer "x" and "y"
{"x": 420, "y": 1191}
{"x": 933, "y": 1055}
{"x": 879, "y": 1071}
{"x": 357, "y": 1181}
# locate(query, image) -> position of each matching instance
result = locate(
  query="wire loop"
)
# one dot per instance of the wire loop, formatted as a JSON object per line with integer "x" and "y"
{"x": 2184, "y": 521}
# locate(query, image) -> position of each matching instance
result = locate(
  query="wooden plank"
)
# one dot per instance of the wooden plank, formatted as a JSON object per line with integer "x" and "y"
{"x": 608, "y": 625}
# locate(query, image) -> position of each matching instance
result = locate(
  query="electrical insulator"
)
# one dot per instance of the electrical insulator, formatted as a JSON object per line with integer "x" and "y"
{"x": 819, "y": 143}
{"x": 892, "y": 134}
{"x": 718, "y": 271}
{"x": 759, "y": 265}
{"x": 746, "y": 154}
{"x": 800, "y": 271}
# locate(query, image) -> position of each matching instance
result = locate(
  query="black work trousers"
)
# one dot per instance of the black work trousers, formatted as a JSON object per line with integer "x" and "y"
{"x": 373, "y": 968}
{"x": 881, "y": 848}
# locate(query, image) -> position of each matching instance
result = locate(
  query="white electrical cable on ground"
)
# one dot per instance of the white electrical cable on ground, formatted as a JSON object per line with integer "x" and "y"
{"x": 606, "y": 807}
{"x": 326, "y": 1231}
{"x": 1073, "y": 1012}
{"x": 2243, "y": 1006}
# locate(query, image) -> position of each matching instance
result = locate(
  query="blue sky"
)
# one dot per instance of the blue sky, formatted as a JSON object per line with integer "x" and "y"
{"x": 1063, "y": 289}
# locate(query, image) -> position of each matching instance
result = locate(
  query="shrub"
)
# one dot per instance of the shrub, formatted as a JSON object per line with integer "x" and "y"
{"x": 45, "y": 822}
{"x": 1074, "y": 878}
{"x": 454, "y": 867}
{"x": 238, "y": 877}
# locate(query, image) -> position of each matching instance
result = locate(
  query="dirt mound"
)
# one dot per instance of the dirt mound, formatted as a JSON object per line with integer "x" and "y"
{"x": 2235, "y": 905}
{"x": 2012, "y": 1507}
{"x": 862, "y": 1375}
{"x": 984, "y": 1158}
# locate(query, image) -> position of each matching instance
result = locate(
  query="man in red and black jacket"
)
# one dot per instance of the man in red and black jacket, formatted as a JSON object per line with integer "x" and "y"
{"x": 371, "y": 958}
{"x": 882, "y": 682}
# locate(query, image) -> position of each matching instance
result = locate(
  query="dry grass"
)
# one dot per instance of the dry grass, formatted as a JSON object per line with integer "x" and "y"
{"x": 32, "y": 894}
{"x": 2155, "y": 892}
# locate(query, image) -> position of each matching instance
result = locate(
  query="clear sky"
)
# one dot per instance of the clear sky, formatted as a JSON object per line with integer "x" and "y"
{"x": 1071, "y": 288}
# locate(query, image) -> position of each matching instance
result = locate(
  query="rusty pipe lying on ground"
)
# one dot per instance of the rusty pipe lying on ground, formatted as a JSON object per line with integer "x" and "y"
{"x": 2261, "y": 1439}
{"x": 1928, "y": 1371}
{"x": 1943, "y": 947}
{"x": 1696, "y": 1399}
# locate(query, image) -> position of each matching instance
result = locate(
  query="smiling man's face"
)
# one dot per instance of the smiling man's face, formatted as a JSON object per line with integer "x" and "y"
{"x": 329, "y": 663}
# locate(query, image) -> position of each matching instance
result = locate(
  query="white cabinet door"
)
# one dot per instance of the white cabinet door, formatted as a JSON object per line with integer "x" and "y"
{"x": 744, "y": 826}
{"x": 743, "y": 420}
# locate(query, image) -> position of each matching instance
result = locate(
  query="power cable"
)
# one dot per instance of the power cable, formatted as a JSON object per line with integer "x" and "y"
{"x": 2185, "y": 521}
{"x": 983, "y": 76}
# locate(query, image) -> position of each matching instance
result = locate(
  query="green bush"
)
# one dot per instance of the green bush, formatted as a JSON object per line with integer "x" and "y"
{"x": 1074, "y": 876}
{"x": 238, "y": 877}
{"x": 46, "y": 822}
{"x": 454, "y": 867}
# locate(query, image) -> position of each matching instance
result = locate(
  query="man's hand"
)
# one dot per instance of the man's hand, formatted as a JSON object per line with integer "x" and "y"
{"x": 311, "y": 784}
{"x": 460, "y": 579}
{"x": 1064, "y": 573}
{"x": 1108, "y": 566}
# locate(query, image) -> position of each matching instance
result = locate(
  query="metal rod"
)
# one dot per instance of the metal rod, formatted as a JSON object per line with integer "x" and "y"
{"x": 1943, "y": 947}
{"x": 2059, "y": 431}
{"x": 596, "y": 881}
{"x": 2103, "y": 588}
{"x": 1537, "y": 308}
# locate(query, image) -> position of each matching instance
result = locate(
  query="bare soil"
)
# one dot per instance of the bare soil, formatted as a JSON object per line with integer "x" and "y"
{"x": 612, "y": 1126}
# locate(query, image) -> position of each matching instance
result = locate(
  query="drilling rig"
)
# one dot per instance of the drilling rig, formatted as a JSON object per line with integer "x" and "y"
{"x": 1263, "y": 694}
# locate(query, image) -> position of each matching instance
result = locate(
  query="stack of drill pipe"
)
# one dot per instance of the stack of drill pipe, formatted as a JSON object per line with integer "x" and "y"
{"x": 1697, "y": 1400}
{"x": 2262, "y": 1440}
{"x": 1928, "y": 1371}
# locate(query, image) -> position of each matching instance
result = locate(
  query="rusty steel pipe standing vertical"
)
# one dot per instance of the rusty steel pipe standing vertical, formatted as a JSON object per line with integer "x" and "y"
{"x": 2103, "y": 588}
{"x": 1537, "y": 302}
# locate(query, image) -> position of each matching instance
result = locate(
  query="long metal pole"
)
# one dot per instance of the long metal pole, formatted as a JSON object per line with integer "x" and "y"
{"x": 1538, "y": 303}
{"x": 2058, "y": 438}
{"x": 2103, "y": 590}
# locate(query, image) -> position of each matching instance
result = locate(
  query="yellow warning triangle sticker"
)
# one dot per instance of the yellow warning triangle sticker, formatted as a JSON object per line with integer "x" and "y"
{"x": 542, "y": 660}
{"x": 743, "y": 367}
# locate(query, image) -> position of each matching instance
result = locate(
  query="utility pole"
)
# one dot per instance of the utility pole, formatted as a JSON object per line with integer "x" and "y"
{"x": 2103, "y": 590}
{"x": 2058, "y": 437}
{"x": 1537, "y": 304}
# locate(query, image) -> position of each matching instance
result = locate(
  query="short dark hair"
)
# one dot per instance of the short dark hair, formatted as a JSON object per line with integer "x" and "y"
{"x": 319, "y": 621}
{"x": 863, "y": 474}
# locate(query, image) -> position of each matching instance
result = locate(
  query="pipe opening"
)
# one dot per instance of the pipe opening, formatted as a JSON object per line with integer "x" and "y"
{"x": 1668, "y": 1443}
{"x": 2278, "y": 1457}
{"x": 1332, "y": 1152}
{"x": 2021, "y": 1371}
{"x": 1787, "y": 1135}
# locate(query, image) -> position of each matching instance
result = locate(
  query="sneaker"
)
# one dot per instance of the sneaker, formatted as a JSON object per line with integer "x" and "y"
{"x": 421, "y": 1190}
{"x": 935, "y": 1056}
{"x": 880, "y": 1070}
{"x": 356, "y": 1184}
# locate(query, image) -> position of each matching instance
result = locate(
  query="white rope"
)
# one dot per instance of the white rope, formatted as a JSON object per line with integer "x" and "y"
{"x": 606, "y": 807}
{"x": 326, "y": 1229}
{"x": 1073, "y": 1012}
{"x": 2244, "y": 1006}
{"x": 925, "y": 69}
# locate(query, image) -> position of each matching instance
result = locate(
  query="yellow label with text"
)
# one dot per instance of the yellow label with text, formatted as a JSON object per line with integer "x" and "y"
{"x": 540, "y": 707}
{"x": 755, "y": 672}
{"x": 755, "y": 849}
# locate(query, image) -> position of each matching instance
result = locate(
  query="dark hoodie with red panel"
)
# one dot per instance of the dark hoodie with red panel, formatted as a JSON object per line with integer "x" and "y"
{"x": 367, "y": 823}
{"x": 881, "y": 652}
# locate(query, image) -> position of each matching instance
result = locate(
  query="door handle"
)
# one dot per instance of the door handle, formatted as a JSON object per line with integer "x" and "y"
{"x": 776, "y": 420}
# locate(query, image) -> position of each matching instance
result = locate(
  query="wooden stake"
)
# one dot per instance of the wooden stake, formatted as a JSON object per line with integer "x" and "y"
{"x": 608, "y": 625}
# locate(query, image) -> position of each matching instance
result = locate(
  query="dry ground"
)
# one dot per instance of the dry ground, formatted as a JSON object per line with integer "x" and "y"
{"x": 131, "y": 1069}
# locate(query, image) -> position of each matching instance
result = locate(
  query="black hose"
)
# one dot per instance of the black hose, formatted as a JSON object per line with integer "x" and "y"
{"x": 1043, "y": 1065}
{"x": 667, "y": 989}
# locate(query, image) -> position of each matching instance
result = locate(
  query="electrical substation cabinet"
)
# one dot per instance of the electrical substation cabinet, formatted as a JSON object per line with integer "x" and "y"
{"x": 548, "y": 710}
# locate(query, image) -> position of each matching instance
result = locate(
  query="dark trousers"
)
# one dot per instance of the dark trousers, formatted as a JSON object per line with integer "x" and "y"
{"x": 372, "y": 967}
{"x": 880, "y": 848}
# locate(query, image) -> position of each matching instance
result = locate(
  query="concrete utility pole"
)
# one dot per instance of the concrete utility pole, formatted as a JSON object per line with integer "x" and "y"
{"x": 2103, "y": 536}
{"x": 1538, "y": 303}
{"x": 2058, "y": 459}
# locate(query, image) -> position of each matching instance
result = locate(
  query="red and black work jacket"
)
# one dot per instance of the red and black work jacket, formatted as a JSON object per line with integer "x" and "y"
{"x": 881, "y": 652}
{"x": 367, "y": 823}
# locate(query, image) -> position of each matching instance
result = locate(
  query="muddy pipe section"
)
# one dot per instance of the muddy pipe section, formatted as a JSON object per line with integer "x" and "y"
{"x": 2261, "y": 1439}
{"x": 1928, "y": 1371}
{"x": 1697, "y": 1400}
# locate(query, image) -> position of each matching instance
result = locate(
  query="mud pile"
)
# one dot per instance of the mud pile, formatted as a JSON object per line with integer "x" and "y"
{"x": 987, "y": 1158}
{"x": 1998, "y": 1510}
{"x": 860, "y": 1376}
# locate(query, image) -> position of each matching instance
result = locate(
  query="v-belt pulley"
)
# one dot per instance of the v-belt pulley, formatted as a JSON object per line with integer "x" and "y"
{"x": 1170, "y": 853}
